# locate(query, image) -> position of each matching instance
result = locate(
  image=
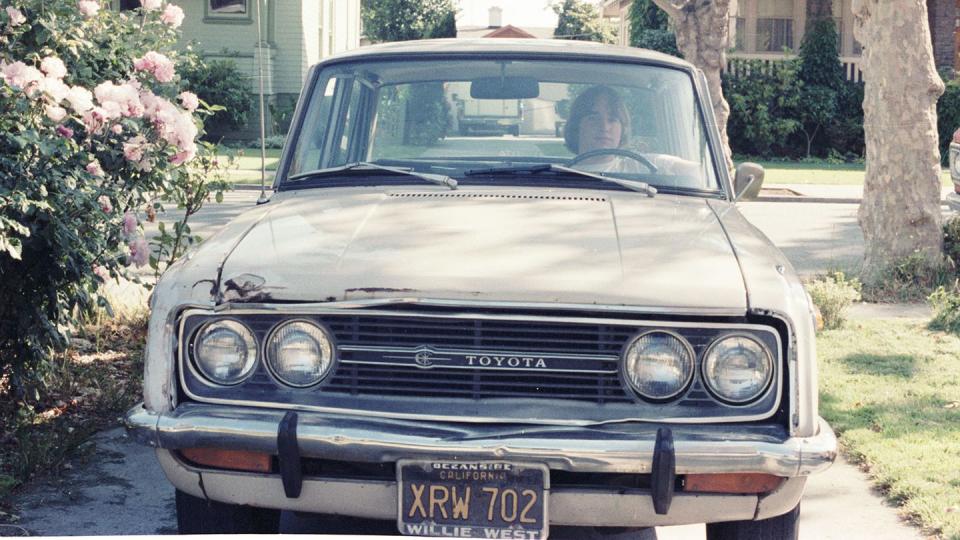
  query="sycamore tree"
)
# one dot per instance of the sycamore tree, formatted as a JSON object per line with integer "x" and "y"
{"x": 702, "y": 29}
{"x": 405, "y": 20}
{"x": 581, "y": 21}
{"x": 95, "y": 132}
{"x": 900, "y": 211}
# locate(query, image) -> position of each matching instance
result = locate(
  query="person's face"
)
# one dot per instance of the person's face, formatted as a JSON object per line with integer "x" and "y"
{"x": 600, "y": 128}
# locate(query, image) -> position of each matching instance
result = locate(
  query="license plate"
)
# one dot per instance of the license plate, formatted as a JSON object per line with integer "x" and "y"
{"x": 472, "y": 499}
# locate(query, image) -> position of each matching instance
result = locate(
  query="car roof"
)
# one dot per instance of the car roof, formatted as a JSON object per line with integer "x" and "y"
{"x": 568, "y": 49}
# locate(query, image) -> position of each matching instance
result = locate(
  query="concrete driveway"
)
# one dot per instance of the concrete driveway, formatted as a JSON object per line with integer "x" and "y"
{"x": 117, "y": 488}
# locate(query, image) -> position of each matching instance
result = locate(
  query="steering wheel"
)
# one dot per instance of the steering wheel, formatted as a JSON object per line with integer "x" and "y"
{"x": 614, "y": 152}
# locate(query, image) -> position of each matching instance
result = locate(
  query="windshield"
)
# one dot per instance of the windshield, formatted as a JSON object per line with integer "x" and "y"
{"x": 467, "y": 119}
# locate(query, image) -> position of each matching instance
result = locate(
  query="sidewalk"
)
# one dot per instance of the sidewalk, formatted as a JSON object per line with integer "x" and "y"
{"x": 820, "y": 193}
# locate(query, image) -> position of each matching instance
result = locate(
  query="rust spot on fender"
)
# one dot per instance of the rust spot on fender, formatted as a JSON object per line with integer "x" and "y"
{"x": 245, "y": 288}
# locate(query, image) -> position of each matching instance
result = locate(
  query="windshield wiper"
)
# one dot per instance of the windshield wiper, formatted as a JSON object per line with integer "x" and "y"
{"x": 634, "y": 185}
{"x": 438, "y": 179}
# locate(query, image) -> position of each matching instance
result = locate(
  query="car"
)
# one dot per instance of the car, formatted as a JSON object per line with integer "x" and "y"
{"x": 493, "y": 335}
{"x": 953, "y": 198}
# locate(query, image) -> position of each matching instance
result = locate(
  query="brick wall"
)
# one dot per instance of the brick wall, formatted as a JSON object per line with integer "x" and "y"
{"x": 942, "y": 14}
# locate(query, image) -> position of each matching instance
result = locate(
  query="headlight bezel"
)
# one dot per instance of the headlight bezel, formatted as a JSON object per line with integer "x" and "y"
{"x": 688, "y": 380}
{"x": 197, "y": 365}
{"x": 771, "y": 357}
{"x": 272, "y": 333}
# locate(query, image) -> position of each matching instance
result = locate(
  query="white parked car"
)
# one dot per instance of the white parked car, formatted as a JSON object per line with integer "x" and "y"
{"x": 491, "y": 335}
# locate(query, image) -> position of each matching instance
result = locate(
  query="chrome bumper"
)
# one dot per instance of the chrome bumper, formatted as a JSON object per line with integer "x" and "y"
{"x": 616, "y": 448}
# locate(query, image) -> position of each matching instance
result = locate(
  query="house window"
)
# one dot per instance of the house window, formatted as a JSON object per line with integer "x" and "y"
{"x": 228, "y": 7}
{"x": 774, "y": 25}
{"x": 227, "y": 11}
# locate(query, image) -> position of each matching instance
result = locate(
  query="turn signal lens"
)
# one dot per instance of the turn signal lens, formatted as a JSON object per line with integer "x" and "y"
{"x": 236, "y": 460}
{"x": 739, "y": 483}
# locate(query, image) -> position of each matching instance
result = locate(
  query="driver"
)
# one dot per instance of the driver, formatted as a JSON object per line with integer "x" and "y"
{"x": 599, "y": 120}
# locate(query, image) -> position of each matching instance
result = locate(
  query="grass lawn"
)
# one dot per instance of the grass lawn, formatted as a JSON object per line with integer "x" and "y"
{"x": 891, "y": 390}
{"x": 247, "y": 165}
{"x": 794, "y": 172}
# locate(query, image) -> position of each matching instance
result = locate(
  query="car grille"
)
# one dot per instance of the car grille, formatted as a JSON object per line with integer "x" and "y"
{"x": 581, "y": 380}
{"x": 480, "y": 335}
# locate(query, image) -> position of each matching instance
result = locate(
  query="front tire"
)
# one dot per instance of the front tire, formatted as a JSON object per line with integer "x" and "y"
{"x": 201, "y": 516}
{"x": 784, "y": 527}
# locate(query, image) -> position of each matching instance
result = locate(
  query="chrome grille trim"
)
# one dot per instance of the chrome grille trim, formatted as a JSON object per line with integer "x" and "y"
{"x": 418, "y": 408}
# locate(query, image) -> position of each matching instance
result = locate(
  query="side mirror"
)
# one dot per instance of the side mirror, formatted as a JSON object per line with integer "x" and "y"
{"x": 748, "y": 181}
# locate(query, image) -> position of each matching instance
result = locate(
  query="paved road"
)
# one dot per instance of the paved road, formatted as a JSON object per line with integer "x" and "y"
{"x": 120, "y": 489}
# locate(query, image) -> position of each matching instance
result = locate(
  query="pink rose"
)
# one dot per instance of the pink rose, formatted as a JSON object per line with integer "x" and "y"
{"x": 139, "y": 251}
{"x": 172, "y": 15}
{"x": 189, "y": 100}
{"x": 116, "y": 129}
{"x": 104, "y": 201}
{"x": 21, "y": 76}
{"x": 55, "y": 88}
{"x": 119, "y": 100}
{"x": 53, "y": 67}
{"x": 95, "y": 169}
{"x": 94, "y": 119}
{"x": 80, "y": 99}
{"x": 55, "y": 113}
{"x": 161, "y": 67}
{"x": 88, "y": 8}
{"x": 129, "y": 223}
{"x": 150, "y": 5}
{"x": 134, "y": 147}
{"x": 16, "y": 16}
{"x": 64, "y": 132}
{"x": 182, "y": 157}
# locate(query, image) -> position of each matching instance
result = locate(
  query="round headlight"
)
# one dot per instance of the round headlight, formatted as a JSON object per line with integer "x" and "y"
{"x": 300, "y": 353}
{"x": 737, "y": 369}
{"x": 225, "y": 352}
{"x": 658, "y": 365}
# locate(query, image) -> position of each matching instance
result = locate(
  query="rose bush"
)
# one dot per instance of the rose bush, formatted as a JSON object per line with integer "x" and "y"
{"x": 96, "y": 133}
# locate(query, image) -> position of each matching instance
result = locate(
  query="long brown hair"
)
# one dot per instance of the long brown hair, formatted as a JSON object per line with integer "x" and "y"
{"x": 582, "y": 106}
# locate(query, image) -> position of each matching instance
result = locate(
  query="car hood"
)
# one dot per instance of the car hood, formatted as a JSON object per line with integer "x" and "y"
{"x": 535, "y": 245}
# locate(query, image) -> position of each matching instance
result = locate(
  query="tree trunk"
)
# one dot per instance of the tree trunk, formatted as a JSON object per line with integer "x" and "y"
{"x": 703, "y": 36}
{"x": 900, "y": 212}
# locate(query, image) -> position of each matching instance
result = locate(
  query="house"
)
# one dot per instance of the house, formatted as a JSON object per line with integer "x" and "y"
{"x": 496, "y": 29}
{"x": 295, "y": 34}
{"x": 763, "y": 29}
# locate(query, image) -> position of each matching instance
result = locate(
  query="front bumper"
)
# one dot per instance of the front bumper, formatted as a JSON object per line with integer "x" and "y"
{"x": 616, "y": 448}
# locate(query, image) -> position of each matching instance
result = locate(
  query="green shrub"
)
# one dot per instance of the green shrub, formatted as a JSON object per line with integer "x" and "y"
{"x": 79, "y": 170}
{"x": 946, "y": 309}
{"x": 951, "y": 240}
{"x": 910, "y": 278}
{"x": 833, "y": 294}
{"x": 948, "y": 116}
{"x": 763, "y": 100}
{"x": 220, "y": 83}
